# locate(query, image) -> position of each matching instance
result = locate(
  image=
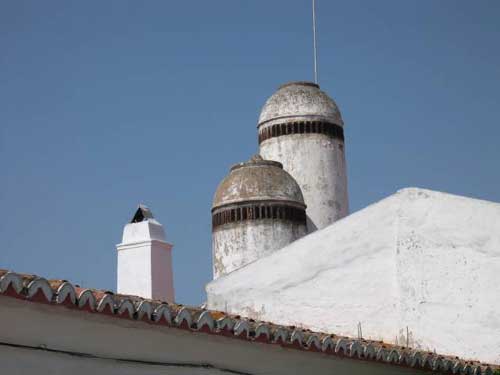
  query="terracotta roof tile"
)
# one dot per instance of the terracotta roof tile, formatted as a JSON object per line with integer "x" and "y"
{"x": 63, "y": 293}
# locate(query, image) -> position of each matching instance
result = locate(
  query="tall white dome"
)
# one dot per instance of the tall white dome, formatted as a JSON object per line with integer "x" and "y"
{"x": 301, "y": 127}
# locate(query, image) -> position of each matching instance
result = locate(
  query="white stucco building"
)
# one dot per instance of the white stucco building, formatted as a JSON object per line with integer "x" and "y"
{"x": 405, "y": 286}
{"x": 419, "y": 268}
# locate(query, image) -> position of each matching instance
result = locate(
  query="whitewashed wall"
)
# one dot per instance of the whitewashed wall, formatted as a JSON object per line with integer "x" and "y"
{"x": 421, "y": 261}
{"x": 144, "y": 264}
{"x": 237, "y": 244}
{"x": 317, "y": 162}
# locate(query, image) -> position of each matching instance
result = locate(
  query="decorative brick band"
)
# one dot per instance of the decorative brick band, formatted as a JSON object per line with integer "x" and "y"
{"x": 258, "y": 212}
{"x": 301, "y": 127}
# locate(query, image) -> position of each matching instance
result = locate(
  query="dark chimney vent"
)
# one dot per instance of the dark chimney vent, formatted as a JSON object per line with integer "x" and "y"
{"x": 143, "y": 213}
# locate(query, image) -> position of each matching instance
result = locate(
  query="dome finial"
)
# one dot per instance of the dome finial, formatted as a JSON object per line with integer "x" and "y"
{"x": 256, "y": 158}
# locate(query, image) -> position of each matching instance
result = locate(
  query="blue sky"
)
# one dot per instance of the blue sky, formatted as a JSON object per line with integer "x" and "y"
{"x": 106, "y": 104}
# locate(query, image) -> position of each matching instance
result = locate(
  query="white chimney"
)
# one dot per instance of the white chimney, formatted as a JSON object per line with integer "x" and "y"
{"x": 145, "y": 259}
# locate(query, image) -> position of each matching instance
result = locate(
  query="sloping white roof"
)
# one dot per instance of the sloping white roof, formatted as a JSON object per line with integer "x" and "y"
{"x": 419, "y": 261}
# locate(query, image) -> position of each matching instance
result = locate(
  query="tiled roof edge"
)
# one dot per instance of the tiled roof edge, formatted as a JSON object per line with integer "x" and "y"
{"x": 62, "y": 293}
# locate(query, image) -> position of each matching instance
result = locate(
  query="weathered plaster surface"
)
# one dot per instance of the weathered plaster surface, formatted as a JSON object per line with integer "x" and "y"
{"x": 235, "y": 245}
{"x": 257, "y": 179}
{"x": 300, "y": 99}
{"x": 419, "y": 261}
{"x": 317, "y": 162}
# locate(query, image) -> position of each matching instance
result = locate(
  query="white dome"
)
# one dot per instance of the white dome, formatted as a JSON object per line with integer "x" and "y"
{"x": 258, "y": 180}
{"x": 300, "y": 99}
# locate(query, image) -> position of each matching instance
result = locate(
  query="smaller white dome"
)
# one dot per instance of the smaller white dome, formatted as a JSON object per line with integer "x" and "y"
{"x": 258, "y": 180}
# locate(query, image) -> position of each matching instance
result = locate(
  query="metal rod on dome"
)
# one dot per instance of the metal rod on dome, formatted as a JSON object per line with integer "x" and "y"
{"x": 315, "y": 46}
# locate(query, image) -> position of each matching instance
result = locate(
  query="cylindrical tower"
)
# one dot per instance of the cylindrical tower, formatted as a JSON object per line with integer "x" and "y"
{"x": 257, "y": 209}
{"x": 300, "y": 126}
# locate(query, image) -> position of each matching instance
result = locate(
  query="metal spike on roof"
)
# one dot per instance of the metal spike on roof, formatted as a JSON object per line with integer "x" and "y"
{"x": 143, "y": 213}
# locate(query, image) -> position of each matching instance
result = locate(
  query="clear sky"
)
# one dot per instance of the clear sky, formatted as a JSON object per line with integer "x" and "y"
{"x": 106, "y": 104}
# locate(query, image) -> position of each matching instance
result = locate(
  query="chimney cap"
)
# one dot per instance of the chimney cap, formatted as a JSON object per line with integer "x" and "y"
{"x": 143, "y": 213}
